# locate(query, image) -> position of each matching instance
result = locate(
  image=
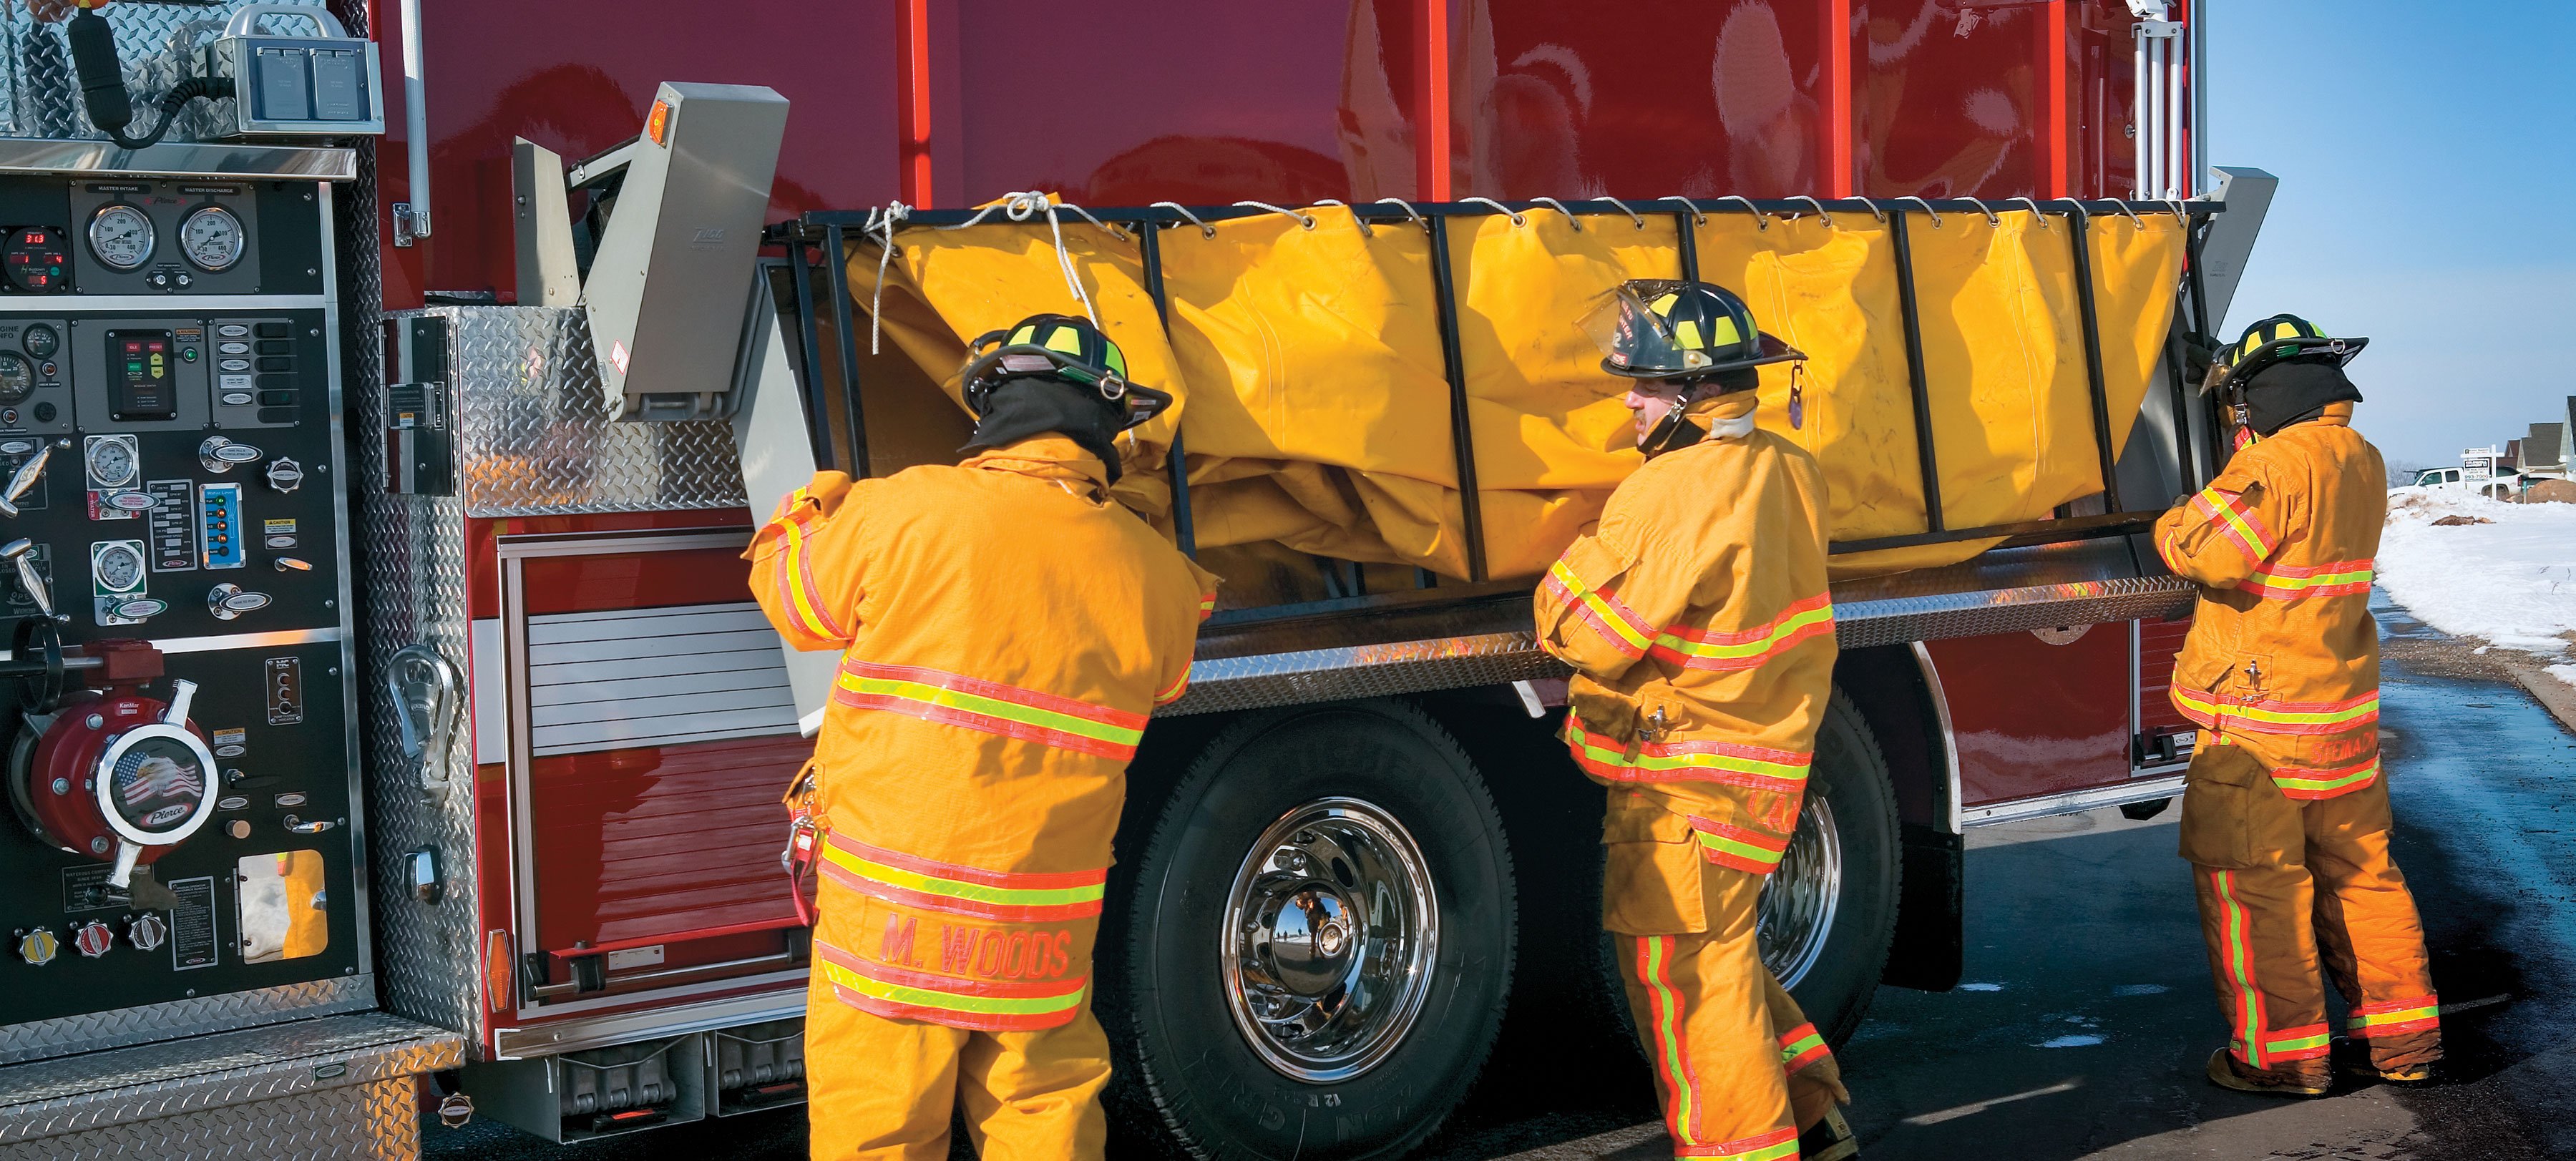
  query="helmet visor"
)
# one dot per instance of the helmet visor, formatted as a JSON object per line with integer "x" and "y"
{"x": 1632, "y": 338}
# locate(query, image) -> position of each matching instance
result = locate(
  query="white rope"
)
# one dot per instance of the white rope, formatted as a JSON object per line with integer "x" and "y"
{"x": 1205, "y": 230}
{"x": 1697, "y": 218}
{"x": 1570, "y": 219}
{"x": 1927, "y": 208}
{"x": 1623, "y": 208}
{"x": 1306, "y": 220}
{"x": 883, "y": 222}
{"x": 1502, "y": 209}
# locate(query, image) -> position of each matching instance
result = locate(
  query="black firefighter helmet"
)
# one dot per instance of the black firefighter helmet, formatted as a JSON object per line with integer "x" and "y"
{"x": 2278, "y": 339}
{"x": 1062, "y": 347}
{"x": 1666, "y": 329}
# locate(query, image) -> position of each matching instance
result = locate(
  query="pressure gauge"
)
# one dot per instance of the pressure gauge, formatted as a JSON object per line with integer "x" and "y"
{"x": 17, "y": 379}
{"x": 111, "y": 462}
{"x": 119, "y": 567}
{"x": 42, "y": 341}
{"x": 121, "y": 237}
{"x": 212, "y": 238}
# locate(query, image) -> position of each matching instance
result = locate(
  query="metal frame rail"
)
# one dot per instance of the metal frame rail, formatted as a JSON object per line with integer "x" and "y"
{"x": 831, "y": 230}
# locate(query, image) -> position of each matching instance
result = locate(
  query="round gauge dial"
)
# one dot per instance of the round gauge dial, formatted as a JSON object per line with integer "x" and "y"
{"x": 211, "y": 237}
{"x": 119, "y": 567}
{"x": 42, "y": 341}
{"x": 121, "y": 237}
{"x": 17, "y": 379}
{"x": 111, "y": 463}
{"x": 37, "y": 258}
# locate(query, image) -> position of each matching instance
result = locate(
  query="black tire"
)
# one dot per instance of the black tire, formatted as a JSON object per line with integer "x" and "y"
{"x": 1162, "y": 994}
{"x": 1850, "y": 778}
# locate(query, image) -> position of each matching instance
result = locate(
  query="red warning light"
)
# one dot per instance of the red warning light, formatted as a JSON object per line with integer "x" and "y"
{"x": 657, "y": 124}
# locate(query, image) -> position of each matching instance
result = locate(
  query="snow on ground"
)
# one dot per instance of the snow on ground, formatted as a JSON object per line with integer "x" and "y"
{"x": 2511, "y": 582}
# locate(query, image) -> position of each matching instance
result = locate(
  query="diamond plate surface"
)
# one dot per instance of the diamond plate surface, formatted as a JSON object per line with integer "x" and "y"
{"x": 535, "y": 436}
{"x": 87, "y": 1033}
{"x": 160, "y": 44}
{"x": 154, "y": 1081}
{"x": 411, "y": 553}
{"x": 379, "y": 1121}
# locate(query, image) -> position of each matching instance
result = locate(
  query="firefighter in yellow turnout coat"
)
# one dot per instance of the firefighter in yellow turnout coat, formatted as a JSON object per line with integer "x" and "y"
{"x": 1005, "y": 631}
{"x": 1698, "y": 623}
{"x": 2285, "y": 816}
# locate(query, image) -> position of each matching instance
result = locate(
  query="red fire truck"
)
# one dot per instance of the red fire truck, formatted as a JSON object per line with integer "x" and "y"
{"x": 577, "y": 724}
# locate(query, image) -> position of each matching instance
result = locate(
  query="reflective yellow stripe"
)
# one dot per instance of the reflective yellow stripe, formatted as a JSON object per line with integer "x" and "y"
{"x": 949, "y": 1001}
{"x": 954, "y": 889}
{"x": 1607, "y": 614}
{"x": 989, "y": 707}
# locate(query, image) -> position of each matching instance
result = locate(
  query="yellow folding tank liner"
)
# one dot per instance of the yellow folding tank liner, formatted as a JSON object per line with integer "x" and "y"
{"x": 1315, "y": 411}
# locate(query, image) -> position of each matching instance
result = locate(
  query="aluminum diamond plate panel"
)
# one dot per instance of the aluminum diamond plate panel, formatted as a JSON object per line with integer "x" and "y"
{"x": 412, "y": 550}
{"x": 151, "y": 1082}
{"x": 159, "y": 44}
{"x": 38, "y": 1039}
{"x": 535, "y": 436}
{"x": 374, "y": 1122}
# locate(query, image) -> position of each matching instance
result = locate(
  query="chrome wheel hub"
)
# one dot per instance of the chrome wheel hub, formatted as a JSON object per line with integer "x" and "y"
{"x": 1330, "y": 932}
{"x": 1797, "y": 909}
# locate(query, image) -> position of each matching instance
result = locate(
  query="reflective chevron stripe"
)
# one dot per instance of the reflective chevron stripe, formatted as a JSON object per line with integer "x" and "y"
{"x": 2236, "y": 522}
{"x": 1737, "y": 847}
{"x": 798, "y": 596}
{"x": 1010, "y": 897}
{"x": 2309, "y": 785}
{"x": 983, "y": 1005}
{"x": 1617, "y": 623}
{"x": 2223, "y": 713}
{"x": 2284, "y": 582}
{"x": 1747, "y": 648}
{"x": 2396, "y": 1017}
{"x": 1802, "y": 1046}
{"x": 1732, "y": 763}
{"x": 957, "y": 700}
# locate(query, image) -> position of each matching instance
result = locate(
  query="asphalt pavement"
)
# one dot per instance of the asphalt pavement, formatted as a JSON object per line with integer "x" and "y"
{"x": 2086, "y": 1011}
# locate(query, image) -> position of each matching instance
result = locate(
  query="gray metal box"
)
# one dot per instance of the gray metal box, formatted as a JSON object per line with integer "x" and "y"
{"x": 666, "y": 291}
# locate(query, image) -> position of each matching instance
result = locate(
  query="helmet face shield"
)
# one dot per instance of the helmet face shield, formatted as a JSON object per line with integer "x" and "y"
{"x": 1665, "y": 329}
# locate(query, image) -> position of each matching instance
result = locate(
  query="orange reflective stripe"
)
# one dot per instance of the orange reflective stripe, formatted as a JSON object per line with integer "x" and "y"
{"x": 2395, "y": 1017}
{"x": 2226, "y": 712}
{"x": 2307, "y": 1042}
{"x": 2309, "y": 785}
{"x": 1207, "y": 606}
{"x": 1732, "y": 763}
{"x": 1776, "y": 1145}
{"x": 983, "y": 1005}
{"x": 957, "y": 700}
{"x": 1747, "y": 648}
{"x": 2236, "y": 522}
{"x": 1802, "y": 1046}
{"x": 2239, "y": 956}
{"x": 956, "y": 889}
{"x": 1668, "y": 1026}
{"x": 1738, "y": 847}
{"x": 798, "y": 595}
{"x": 1617, "y": 623}
{"x": 2283, "y": 582}
{"x": 1172, "y": 693}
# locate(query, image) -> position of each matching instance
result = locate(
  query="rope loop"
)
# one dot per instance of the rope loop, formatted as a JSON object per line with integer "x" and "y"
{"x": 1205, "y": 230}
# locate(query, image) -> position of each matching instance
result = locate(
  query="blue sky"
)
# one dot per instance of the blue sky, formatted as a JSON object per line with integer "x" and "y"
{"x": 2427, "y": 156}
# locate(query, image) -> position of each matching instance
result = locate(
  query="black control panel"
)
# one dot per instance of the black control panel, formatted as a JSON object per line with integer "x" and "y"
{"x": 182, "y": 805}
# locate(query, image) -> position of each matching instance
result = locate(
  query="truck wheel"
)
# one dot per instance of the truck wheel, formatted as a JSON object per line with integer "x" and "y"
{"x": 1828, "y": 914}
{"x": 1318, "y": 945}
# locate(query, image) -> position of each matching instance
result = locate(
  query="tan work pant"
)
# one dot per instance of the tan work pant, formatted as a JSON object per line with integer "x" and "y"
{"x": 1740, "y": 1071}
{"x": 880, "y": 1089}
{"x": 2286, "y": 885}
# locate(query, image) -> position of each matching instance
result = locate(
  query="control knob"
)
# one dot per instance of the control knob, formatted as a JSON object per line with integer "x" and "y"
{"x": 285, "y": 475}
{"x": 38, "y": 946}
{"x": 228, "y": 601}
{"x": 145, "y": 932}
{"x": 220, "y": 455}
{"x": 24, "y": 481}
{"x": 92, "y": 939}
{"x": 21, "y": 553}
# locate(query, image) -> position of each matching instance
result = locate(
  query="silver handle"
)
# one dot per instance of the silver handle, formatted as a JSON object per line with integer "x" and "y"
{"x": 291, "y": 564}
{"x": 415, "y": 117}
{"x": 183, "y": 694}
{"x": 246, "y": 18}
{"x": 21, "y": 552}
{"x": 25, "y": 480}
{"x": 317, "y": 826}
